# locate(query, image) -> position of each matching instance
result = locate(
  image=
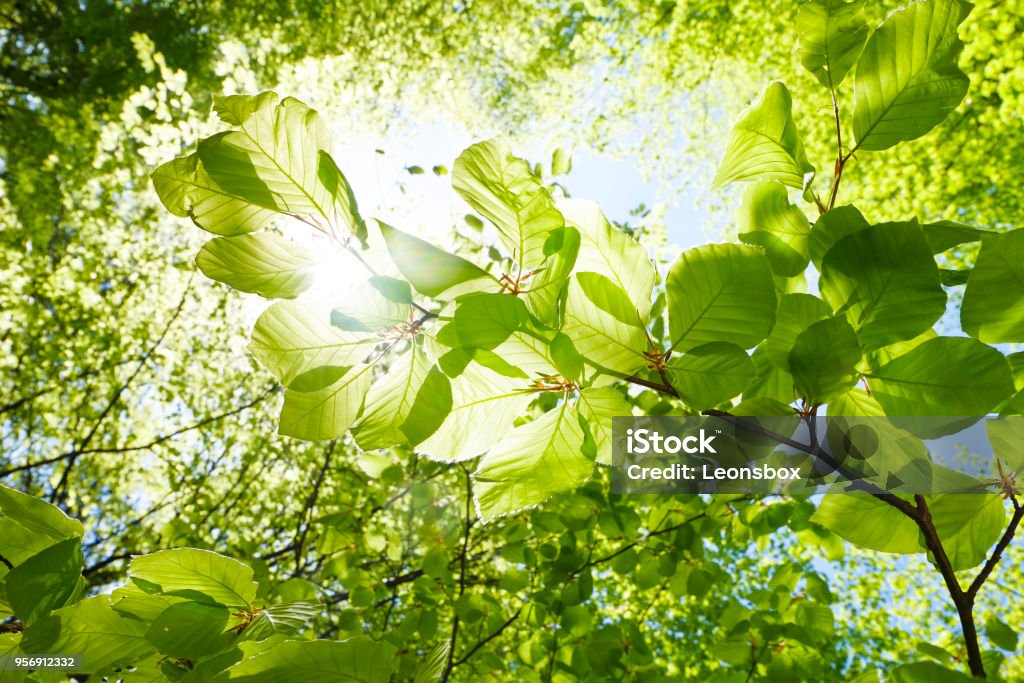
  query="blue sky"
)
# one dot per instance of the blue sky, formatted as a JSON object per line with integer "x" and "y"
{"x": 425, "y": 203}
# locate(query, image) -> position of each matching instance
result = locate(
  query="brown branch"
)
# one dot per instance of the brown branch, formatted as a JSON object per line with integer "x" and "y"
{"x": 964, "y": 604}
{"x": 921, "y": 515}
{"x": 815, "y": 450}
{"x": 997, "y": 553}
{"x": 662, "y": 388}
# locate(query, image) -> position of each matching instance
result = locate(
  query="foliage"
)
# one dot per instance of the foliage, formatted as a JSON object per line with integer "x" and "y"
{"x": 501, "y": 365}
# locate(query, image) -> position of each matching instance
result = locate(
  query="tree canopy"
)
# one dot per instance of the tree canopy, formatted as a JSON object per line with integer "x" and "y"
{"x": 409, "y": 479}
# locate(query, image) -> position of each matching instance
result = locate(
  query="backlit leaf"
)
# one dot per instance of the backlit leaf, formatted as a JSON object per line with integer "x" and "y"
{"x": 261, "y": 263}
{"x": 720, "y": 292}
{"x": 907, "y": 79}
{"x": 764, "y": 143}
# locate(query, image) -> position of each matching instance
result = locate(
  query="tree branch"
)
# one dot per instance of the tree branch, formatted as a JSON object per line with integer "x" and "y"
{"x": 462, "y": 574}
{"x": 815, "y": 450}
{"x": 307, "y": 510}
{"x": 997, "y": 553}
{"x": 388, "y": 583}
{"x": 140, "y": 447}
{"x": 488, "y": 639}
{"x": 662, "y": 388}
{"x": 73, "y": 456}
{"x": 963, "y": 603}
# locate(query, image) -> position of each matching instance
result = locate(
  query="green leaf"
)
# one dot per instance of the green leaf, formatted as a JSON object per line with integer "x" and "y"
{"x": 993, "y": 309}
{"x": 833, "y": 226}
{"x": 432, "y": 271}
{"x": 391, "y": 288}
{"x": 764, "y": 143}
{"x": 1004, "y": 436}
{"x": 294, "y": 337}
{"x": 952, "y": 375}
{"x": 832, "y": 35}
{"x": 188, "y": 191}
{"x": 199, "y": 575}
{"x": 483, "y": 321}
{"x": 824, "y": 359}
{"x": 561, "y": 161}
{"x": 1001, "y": 635}
{"x": 358, "y": 659}
{"x": 711, "y": 374}
{"x": 945, "y": 235}
{"x": 276, "y": 160}
{"x": 484, "y": 406}
{"x": 30, "y": 525}
{"x": 285, "y": 618}
{"x": 501, "y": 187}
{"x": 603, "y": 324}
{"x": 566, "y": 359}
{"x": 365, "y": 308}
{"x": 89, "y": 628}
{"x": 881, "y": 356}
{"x": 939, "y": 654}
{"x": 405, "y": 406}
{"x": 767, "y": 219}
{"x": 968, "y": 526}
{"x": 532, "y": 463}
{"x": 907, "y": 79}
{"x": 612, "y": 253}
{"x": 46, "y": 581}
{"x": 720, "y": 292}
{"x": 885, "y": 279}
{"x": 796, "y": 313}
{"x": 327, "y": 411}
{"x": 868, "y": 522}
{"x": 544, "y": 290}
{"x": 346, "y": 211}
{"x": 264, "y": 264}
{"x": 191, "y": 630}
{"x": 770, "y": 381}
{"x": 953, "y": 278}
{"x": 598, "y": 405}
{"x": 433, "y": 667}
{"x": 134, "y": 599}
{"x": 235, "y": 109}
{"x": 817, "y": 619}
{"x": 926, "y": 672}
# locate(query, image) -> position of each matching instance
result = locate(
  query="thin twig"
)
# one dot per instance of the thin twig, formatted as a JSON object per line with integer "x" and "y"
{"x": 73, "y": 456}
{"x": 488, "y": 639}
{"x": 307, "y": 510}
{"x": 140, "y": 447}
